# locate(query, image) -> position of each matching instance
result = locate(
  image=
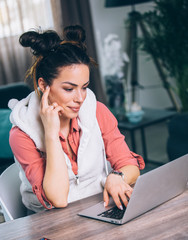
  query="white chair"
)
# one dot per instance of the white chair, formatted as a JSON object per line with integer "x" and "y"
{"x": 10, "y": 197}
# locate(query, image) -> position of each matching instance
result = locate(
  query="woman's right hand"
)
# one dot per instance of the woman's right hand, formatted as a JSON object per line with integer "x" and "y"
{"x": 50, "y": 113}
{"x": 56, "y": 179}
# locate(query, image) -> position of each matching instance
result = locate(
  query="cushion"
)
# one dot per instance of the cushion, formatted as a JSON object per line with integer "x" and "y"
{"x": 14, "y": 90}
{"x": 5, "y": 126}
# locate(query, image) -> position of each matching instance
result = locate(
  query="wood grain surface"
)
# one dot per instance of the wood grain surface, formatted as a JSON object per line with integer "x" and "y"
{"x": 167, "y": 221}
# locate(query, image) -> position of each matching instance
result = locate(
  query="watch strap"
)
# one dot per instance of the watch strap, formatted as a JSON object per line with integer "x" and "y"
{"x": 117, "y": 173}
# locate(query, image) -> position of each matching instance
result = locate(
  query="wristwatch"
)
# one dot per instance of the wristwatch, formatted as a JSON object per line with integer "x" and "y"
{"x": 117, "y": 173}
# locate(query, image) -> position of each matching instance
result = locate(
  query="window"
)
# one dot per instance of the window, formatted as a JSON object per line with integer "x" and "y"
{"x": 17, "y": 16}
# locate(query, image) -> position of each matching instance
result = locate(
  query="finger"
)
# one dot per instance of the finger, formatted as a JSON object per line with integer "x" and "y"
{"x": 59, "y": 109}
{"x": 105, "y": 197}
{"x": 51, "y": 107}
{"x": 128, "y": 193}
{"x": 117, "y": 202}
{"x": 124, "y": 199}
{"x": 44, "y": 100}
{"x": 54, "y": 104}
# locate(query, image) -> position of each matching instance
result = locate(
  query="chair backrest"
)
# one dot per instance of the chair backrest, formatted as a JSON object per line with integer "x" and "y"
{"x": 10, "y": 196}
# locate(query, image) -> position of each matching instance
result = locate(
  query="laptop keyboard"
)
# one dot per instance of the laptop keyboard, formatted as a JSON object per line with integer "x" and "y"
{"x": 114, "y": 212}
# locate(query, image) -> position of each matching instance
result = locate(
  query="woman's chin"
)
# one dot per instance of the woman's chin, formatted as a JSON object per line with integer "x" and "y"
{"x": 70, "y": 115}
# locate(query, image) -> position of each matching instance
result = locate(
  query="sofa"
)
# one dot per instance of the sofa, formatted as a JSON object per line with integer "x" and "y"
{"x": 15, "y": 90}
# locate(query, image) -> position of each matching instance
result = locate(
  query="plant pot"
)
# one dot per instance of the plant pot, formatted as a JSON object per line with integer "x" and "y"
{"x": 177, "y": 143}
{"x": 135, "y": 117}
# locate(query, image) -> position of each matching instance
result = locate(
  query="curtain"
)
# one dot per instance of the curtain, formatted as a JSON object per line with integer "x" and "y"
{"x": 16, "y": 17}
{"x": 57, "y": 16}
{"x": 78, "y": 12}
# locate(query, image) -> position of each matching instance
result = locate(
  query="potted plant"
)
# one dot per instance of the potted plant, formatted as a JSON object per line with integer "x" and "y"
{"x": 167, "y": 41}
{"x": 113, "y": 59}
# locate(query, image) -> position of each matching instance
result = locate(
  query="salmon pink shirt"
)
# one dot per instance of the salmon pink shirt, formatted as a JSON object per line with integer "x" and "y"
{"x": 33, "y": 161}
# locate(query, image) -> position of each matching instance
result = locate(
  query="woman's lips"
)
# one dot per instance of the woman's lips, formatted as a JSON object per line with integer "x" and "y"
{"x": 75, "y": 109}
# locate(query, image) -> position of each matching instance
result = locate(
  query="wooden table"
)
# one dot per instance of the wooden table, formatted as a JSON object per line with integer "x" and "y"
{"x": 168, "y": 221}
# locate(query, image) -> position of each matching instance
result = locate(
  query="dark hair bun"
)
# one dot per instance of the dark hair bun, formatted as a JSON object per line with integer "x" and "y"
{"x": 40, "y": 43}
{"x": 74, "y": 33}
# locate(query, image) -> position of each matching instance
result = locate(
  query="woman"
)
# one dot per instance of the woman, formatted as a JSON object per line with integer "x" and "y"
{"x": 62, "y": 137}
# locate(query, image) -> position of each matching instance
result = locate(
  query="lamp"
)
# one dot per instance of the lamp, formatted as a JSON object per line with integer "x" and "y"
{"x": 131, "y": 39}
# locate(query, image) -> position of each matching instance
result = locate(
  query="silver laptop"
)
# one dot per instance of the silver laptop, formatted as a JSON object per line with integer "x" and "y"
{"x": 151, "y": 189}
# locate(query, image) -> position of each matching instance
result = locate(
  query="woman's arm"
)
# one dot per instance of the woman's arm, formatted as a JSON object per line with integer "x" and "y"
{"x": 56, "y": 179}
{"x": 117, "y": 151}
{"x": 131, "y": 173}
{"x": 31, "y": 160}
{"x": 120, "y": 158}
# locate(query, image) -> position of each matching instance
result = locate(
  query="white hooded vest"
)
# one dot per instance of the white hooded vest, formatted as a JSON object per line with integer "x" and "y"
{"x": 91, "y": 157}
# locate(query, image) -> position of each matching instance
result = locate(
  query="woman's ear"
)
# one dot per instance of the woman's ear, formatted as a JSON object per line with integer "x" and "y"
{"x": 42, "y": 85}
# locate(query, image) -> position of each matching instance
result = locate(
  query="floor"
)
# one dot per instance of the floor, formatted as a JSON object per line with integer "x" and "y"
{"x": 156, "y": 138}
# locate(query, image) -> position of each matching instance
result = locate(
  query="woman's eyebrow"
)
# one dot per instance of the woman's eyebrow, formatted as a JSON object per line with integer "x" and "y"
{"x": 86, "y": 83}
{"x": 75, "y": 85}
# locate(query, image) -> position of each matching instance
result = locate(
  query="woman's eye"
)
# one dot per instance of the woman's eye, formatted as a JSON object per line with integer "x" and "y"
{"x": 68, "y": 89}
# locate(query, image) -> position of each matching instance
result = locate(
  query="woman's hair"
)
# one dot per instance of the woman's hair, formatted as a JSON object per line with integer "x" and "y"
{"x": 52, "y": 53}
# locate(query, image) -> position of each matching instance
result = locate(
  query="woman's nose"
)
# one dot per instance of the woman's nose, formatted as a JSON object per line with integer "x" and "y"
{"x": 79, "y": 96}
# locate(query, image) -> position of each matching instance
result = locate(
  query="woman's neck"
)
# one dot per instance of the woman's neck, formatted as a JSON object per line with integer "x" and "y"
{"x": 65, "y": 127}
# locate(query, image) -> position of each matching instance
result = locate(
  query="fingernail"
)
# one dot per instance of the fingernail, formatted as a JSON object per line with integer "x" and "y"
{"x": 47, "y": 87}
{"x": 104, "y": 204}
{"x": 121, "y": 207}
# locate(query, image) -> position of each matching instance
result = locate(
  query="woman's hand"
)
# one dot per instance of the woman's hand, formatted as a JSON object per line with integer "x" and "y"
{"x": 56, "y": 179}
{"x": 50, "y": 114}
{"x": 118, "y": 189}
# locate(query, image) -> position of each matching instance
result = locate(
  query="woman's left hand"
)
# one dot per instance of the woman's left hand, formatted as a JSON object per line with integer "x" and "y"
{"x": 118, "y": 189}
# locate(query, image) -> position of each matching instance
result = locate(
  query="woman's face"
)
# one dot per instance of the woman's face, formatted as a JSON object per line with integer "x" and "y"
{"x": 68, "y": 90}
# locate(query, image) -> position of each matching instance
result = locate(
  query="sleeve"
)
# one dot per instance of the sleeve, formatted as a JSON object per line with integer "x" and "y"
{"x": 32, "y": 162}
{"x": 117, "y": 151}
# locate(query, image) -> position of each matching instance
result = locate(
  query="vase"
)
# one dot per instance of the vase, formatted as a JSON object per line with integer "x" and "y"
{"x": 115, "y": 94}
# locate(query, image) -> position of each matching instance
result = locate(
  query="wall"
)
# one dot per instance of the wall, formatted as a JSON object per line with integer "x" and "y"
{"x": 111, "y": 20}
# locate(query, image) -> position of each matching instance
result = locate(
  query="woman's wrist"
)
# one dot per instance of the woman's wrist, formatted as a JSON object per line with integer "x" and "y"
{"x": 51, "y": 136}
{"x": 119, "y": 173}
